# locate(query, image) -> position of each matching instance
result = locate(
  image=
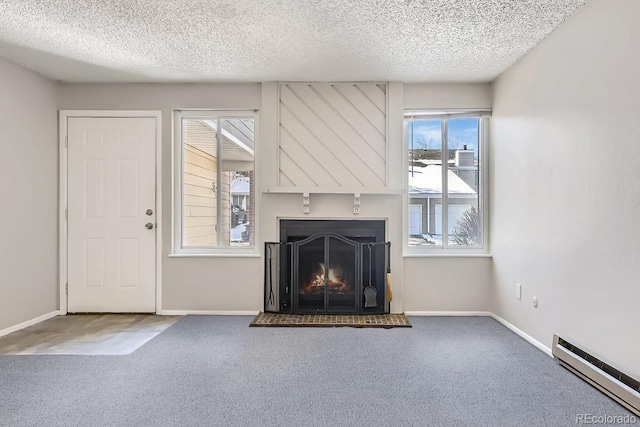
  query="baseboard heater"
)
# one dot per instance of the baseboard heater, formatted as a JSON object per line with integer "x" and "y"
{"x": 601, "y": 374}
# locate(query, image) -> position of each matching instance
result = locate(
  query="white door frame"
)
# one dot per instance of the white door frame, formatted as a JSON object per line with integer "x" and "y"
{"x": 63, "y": 250}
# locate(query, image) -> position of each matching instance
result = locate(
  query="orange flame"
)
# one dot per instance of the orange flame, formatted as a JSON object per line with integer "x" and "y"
{"x": 337, "y": 284}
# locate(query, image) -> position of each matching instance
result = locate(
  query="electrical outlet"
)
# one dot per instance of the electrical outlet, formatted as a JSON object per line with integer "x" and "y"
{"x": 518, "y": 291}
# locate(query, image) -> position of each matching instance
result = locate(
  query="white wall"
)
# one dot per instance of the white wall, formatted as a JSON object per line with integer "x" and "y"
{"x": 235, "y": 284}
{"x": 29, "y": 194}
{"x": 188, "y": 283}
{"x": 451, "y": 283}
{"x": 566, "y": 199}
{"x": 447, "y": 284}
{"x": 447, "y": 95}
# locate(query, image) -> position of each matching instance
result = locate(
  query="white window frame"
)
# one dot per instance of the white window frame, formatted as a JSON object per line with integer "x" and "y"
{"x": 444, "y": 250}
{"x": 178, "y": 250}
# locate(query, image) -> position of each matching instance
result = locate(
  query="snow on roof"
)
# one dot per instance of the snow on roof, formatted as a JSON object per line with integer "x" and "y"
{"x": 428, "y": 180}
{"x": 240, "y": 186}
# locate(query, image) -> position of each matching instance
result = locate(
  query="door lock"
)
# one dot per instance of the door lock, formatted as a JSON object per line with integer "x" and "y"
{"x": 149, "y": 226}
{"x": 149, "y": 212}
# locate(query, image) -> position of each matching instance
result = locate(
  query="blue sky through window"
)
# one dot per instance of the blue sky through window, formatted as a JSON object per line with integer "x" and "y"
{"x": 428, "y": 134}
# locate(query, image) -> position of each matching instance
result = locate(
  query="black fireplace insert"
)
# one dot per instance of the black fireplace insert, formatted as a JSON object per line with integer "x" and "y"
{"x": 328, "y": 267}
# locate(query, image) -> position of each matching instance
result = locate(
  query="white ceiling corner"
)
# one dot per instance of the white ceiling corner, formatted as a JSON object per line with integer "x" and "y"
{"x": 275, "y": 40}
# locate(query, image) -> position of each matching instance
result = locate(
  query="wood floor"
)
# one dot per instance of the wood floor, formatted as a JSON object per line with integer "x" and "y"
{"x": 87, "y": 334}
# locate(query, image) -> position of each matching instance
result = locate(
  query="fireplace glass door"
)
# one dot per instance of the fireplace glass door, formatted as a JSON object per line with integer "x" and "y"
{"x": 326, "y": 275}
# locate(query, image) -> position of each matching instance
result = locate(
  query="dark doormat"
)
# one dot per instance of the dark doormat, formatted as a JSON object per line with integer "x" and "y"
{"x": 331, "y": 320}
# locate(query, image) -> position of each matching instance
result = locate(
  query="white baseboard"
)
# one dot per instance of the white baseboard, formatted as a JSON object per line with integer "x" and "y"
{"x": 534, "y": 342}
{"x": 448, "y": 313}
{"x": 207, "y": 312}
{"x": 499, "y": 319}
{"x": 28, "y": 323}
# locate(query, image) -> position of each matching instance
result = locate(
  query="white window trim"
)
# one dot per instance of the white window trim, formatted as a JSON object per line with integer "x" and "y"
{"x": 177, "y": 250}
{"x": 438, "y": 251}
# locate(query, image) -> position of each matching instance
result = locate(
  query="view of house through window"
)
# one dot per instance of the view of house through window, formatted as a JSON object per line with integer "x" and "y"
{"x": 445, "y": 203}
{"x": 218, "y": 186}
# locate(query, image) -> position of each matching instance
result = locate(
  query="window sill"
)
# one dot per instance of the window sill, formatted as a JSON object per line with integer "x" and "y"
{"x": 216, "y": 255}
{"x": 446, "y": 255}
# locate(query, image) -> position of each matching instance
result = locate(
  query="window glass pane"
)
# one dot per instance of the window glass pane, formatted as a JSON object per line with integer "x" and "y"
{"x": 425, "y": 181}
{"x": 200, "y": 170}
{"x": 237, "y": 173}
{"x": 463, "y": 213}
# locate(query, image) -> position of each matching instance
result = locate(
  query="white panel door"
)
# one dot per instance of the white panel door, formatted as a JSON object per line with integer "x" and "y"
{"x": 111, "y": 199}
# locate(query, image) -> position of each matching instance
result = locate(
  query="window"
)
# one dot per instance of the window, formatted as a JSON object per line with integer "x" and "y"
{"x": 214, "y": 198}
{"x": 446, "y": 203}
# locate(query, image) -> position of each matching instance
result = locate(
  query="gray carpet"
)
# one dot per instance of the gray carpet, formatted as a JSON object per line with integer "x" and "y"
{"x": 209, "y": 370}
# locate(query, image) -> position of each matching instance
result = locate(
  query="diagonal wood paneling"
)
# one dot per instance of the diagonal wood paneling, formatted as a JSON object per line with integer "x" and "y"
{"x": 320, "y": 176}
{"x": 319, "y": 155}
{"x": 332, "y": 135}
{"x": 376, "y": 93}
{"x": 374, "y": 113}
{"x": 359, "y": 126}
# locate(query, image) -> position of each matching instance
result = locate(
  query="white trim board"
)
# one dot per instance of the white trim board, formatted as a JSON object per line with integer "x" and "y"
{"x": 28, "y": 323}
{"x": 208, "y": 312}
{"x": 534, "y": 342}
{"x": 64, "y": 115}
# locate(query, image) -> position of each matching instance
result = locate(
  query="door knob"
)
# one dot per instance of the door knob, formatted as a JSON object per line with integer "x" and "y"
{"x": 149, "y": 226}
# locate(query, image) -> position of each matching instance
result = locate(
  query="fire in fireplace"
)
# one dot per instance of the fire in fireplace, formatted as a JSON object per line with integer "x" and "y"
{"x": 327, "y": 266}
{"x": 335, "y": 282}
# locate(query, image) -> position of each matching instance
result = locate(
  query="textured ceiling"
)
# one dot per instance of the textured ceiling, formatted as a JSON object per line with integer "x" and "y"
{"x": 275, "y": 40}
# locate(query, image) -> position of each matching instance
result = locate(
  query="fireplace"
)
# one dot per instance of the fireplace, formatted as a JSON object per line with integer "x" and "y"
{"x": 327, "y": 266}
